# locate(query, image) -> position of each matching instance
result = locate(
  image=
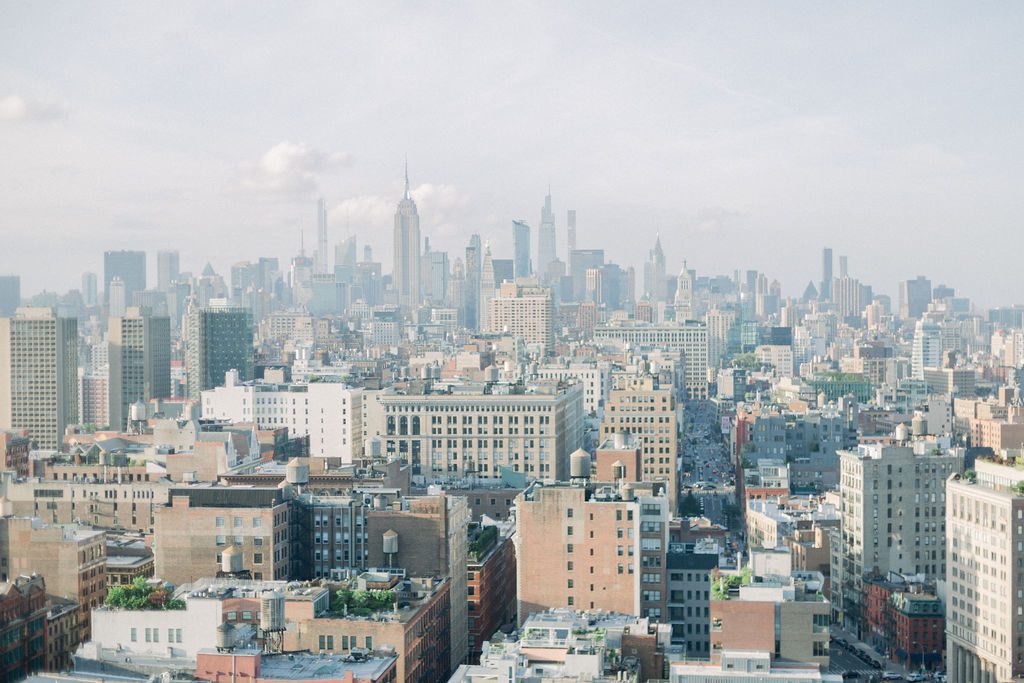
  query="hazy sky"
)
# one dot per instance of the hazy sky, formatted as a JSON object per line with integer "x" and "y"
{"x": 748, "y": 134}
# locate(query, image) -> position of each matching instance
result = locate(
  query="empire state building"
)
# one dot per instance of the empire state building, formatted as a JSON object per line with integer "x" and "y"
{"x": 406, "y": 273}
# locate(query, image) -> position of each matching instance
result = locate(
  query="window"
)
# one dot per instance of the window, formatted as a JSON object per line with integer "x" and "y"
{"x": 220, "y": 522}
{"x": 257, "y": 558}
{"x": 369, "y": 642}
{"x": 238, "y": 522}
{"x": 149, "y": 636}
{"x": 257, "y": 522}
{"x": 135, "y": 634}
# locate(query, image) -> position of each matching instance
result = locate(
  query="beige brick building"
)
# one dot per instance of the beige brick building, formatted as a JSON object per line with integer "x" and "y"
{"x": 526, "y": 312}
{"x": 201, "y": 521}
{"x": 640, "y": 406}
{"x": 72, "y": 560}
{"x": 592, "y": 547}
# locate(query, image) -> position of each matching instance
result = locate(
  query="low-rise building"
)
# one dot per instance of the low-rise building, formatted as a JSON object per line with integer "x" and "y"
{"x": 255, "y": 666}
{"x": 745, "y": 666}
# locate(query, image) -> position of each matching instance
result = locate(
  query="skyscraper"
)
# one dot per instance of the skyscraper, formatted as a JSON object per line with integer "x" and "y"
{"x": 487, "y": 287}
{"x": 139, "y": 357}
{"x": 521, "y": 248}
{"x": 219, "y": 339}
{"x": 471, "y": 284}
{"x": 130, "y": 266}
{"x": 654, "y": 272}
{"x": 684, "y": 294}
{"x": 10, "y": 294}
{"x": 826, "y": 275}
{"x": 406, "y": 273}
{"x": 546, "y": 247}
{"x": 39, "y": 374}
{"x": 117, "y": 297}
{"x": 323, "y": 257}
{"x": 915, "y": 295}
{"x": 89, "y": 289}
{"x": 580, "y": 261}
{"x": 571, "y": 222}
{"x": 166, "y": 269}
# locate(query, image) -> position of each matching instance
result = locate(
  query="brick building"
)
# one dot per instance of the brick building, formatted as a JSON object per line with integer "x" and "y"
{"x": 491, "y": 577}
{"x": 905, "y": 621}
{"x": 22, "y": 627}
{"x": 14, "y": 448}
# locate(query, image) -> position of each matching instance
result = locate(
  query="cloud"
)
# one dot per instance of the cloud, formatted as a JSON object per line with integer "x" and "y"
{"x": 20, "y": 109}
{"x": 289, "y": 169}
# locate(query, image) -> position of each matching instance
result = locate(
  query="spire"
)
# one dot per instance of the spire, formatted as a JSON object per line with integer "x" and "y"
{"x": 407, "y": 176}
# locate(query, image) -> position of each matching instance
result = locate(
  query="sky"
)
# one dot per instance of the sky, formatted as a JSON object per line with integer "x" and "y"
{"x": 749, "y": 135}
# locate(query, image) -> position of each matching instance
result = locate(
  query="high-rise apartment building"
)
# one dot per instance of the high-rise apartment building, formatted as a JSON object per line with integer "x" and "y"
{"x": 893, "y": 520}
{"x": 723, "y": 336}
{"x": 167, "y": 269}
{"x": 10, "y": 294}
{"x": 927, "y": 348}
{"x": 985, "y": 593}
{"x": 640, "y": 406}
{"x": 219, "y": 340}
{"x": 39, "y": 374}
{"x": 130, "y": 266}
{"x": 406, "y": 272}
{"x": 592, "y": 546}
{"x": 521, "y": 249}
{"x": 524, "y": 311}
{"x": 139, "y": 358}
{"x": 546, "y": 249}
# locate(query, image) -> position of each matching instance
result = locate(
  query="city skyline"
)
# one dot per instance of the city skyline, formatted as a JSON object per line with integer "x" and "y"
{"x": 891, "y": 170}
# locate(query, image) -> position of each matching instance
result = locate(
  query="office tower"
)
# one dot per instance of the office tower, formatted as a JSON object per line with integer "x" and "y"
{"x": 826, "y": 275}
{"x": 10, "y": 294}
{"x": 600, "y": 546}
{"x": 89, "y": 290}
{"x": 571, "y": 222}
{"x": 39, "y": 374}
{"x": 654, "y": 272}
{"x": 117, "y": 298}
{"x": 406, "y": 273}
{"x": 641, "y": 406}
{"x": 843, "y": 262}
{"x": 345, "y": 254}
{"x": 129, "y": 266}
{"x": 471, "y": 288}
{"x": 166, "y": 269}
{"x": 892, "y": 518}
{"x": 684, "y": 295}
{"x": 219, "y": 339}
{"x": 915, "y": 295}
{"x": 439, "y": 272}
{"x": 323, "y": 257}
{"x": 139, "y": 358}
{"x": 524, "y": 311}
{"x": 546, "y": 247}
{"x": 594, "y": 287}
{"x": 487, "y": 287}
{"x": 504, "y": 270}
{"x": 927, "y": 348}
{"x": 580, "y": 261}
{"x": 983, "y": 541}
{"x": 521, "y": 249}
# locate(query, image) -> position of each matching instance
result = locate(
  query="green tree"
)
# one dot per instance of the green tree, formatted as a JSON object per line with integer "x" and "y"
{"x": 690, "y": 506}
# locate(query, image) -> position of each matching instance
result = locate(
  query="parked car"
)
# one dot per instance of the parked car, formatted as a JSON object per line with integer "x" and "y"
{"x": 916, "y": 678}
{"x": 890, "y": 676}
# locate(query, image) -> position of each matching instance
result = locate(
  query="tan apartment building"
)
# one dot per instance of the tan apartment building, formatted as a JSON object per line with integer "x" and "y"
{"x": 72, "y": 560}
{"x": 203, "y": 520}
{"x": 524, "y": 311}
{"x": 592, "y": 546}
{"x": 639, "y": 405}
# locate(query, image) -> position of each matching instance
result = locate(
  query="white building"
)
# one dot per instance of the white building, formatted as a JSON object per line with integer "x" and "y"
{"x": 738, "y": 666}
{"x": 329, "y": 413}
{"x": 594, "y": 376}
{"x": 691, "y": 338}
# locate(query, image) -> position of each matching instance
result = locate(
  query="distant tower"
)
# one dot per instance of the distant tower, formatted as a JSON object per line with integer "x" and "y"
{"x": 487, "y": 287}
{"x": 117, "y": 297}
{"x": 654, "y": 272}
{"x": 826, "y": 275}
{"x": 166, "y": 269}
{"x": 521, "y": 249}
{"x": 471, "y": 289}
{"x": 572, "y": 229}
{"x": 406, "y": 273}
{"x": 322, "y": 256}
{"x": 546, "y": 248}
{"x": 684, "y": 295}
